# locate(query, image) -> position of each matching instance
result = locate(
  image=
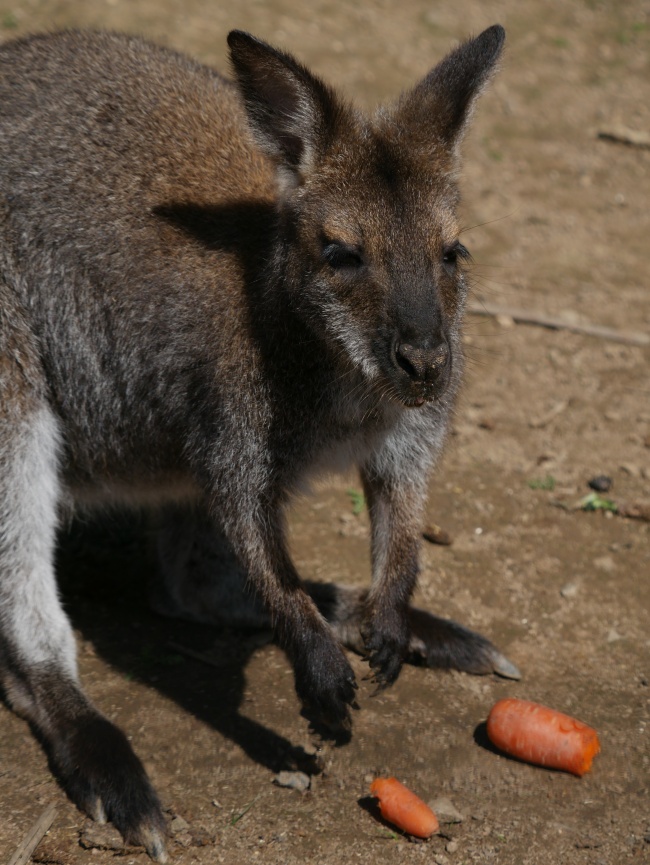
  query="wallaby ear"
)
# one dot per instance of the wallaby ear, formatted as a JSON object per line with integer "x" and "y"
{"x": 440, "y": 106}
{"x": 292, "y": 113}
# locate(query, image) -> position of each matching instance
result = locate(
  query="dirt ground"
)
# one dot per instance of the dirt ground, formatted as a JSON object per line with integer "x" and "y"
{"x": 558, "y": 221}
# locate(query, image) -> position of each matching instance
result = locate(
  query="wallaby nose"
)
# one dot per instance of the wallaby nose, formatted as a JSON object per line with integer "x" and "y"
{"x": 423, "y": 364}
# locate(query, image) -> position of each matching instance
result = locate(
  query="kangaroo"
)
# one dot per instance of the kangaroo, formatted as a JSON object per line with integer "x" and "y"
{"x": 211, "y": 291}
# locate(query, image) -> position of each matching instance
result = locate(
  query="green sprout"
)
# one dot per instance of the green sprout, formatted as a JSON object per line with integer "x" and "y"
{"x": 358, "y": 501}
{"x": 547, "y": 483}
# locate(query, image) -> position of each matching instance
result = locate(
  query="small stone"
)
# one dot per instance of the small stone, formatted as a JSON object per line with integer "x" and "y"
{"x": 435, "y": 535}
{"x": 440, "y": 859}
{"x": 452, "y": 847}
{"x": 178, "y": 824}
{"x": 613, "y": 636}
{"x": 202, "y": 838}
{"x": 600, "y": 483}
{"x": 293, "y": 780}
{"x": 445, "y": 810}
{"x": 103, "y": 836}
{"x": 570, "y": 590}
{"x": 588, "y": 842}
{"x": 605, "y": 563}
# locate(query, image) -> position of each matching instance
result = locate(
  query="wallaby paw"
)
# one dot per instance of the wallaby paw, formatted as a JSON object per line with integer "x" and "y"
{"x": 326, "y": 686}
{"x": 443, "y": 643}
{"x": 385, "y": 652}
{"x": 103, "y": 776}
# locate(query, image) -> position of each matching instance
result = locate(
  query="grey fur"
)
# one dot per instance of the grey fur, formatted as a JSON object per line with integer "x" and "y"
{"x": 211, "y": 293}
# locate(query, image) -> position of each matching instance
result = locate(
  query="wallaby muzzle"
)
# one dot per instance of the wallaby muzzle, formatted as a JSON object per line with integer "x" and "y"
{"x": 422, "y": 366}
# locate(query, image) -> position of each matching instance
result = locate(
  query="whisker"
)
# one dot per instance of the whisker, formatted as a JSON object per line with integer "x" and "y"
{"x": 467, "y": 228}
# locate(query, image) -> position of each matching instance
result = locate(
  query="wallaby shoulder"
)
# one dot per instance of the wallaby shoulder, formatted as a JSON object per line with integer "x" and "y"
{"x": 136, "y": 210}
{"x": 104, "y": 128}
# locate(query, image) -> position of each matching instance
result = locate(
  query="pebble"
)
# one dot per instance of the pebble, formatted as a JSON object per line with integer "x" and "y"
{"x": 570, "y": 590}
{"x": 293, "y": 780}
{"x": 445, "y": 810}
{"x": 600, "y": 483}
{"x": 103, "y": 836}
{"x": 435, "y": 535}
{"x": 178, "y": 824}
{"x": 605, "y": 563}
{"x": 452, "y": 847}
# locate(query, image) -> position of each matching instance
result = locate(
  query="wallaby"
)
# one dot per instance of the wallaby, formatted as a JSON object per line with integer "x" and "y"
{"x": 210, "y": 292}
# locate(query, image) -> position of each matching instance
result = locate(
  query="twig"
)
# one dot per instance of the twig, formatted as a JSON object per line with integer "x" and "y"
{"x": 624, "y": 135}
{"x": 635, "y": 510}
{"x": 528, "y": 317}
{"x": 34, "y": 837}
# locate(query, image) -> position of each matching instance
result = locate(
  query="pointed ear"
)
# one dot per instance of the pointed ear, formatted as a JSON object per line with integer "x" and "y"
{"x": 292, "y": 113}
{"x": 440, "y": 106}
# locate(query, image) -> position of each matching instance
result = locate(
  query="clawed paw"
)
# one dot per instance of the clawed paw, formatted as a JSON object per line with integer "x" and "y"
{"x": 443, "y": 643}
{"x": 326, "y": 685}
{"x": 106, "y": 780}
{"x": 385, "y": 653}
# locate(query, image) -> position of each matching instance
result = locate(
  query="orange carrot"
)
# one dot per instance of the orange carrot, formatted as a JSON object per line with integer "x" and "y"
{"x": 404, "y": 809}
{"x": 537, "y": 734}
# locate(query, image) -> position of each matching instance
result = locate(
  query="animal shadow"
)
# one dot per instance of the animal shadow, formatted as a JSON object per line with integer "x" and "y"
{"x": 104, "y": 566}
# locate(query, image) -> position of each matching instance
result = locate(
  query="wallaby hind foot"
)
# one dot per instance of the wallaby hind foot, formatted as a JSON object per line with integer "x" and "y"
{"x": 190, "y": 549}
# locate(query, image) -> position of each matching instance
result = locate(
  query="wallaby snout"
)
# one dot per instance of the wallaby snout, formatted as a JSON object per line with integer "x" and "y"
{"x": 426, "y": 362}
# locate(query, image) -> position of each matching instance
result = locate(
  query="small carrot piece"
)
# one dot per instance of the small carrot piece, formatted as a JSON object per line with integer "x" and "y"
{"x": 537, "y": 734}
{"x": 402, "y": 808}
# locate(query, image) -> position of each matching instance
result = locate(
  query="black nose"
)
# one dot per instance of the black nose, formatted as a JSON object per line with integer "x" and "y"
{"x": 422, "y": 363}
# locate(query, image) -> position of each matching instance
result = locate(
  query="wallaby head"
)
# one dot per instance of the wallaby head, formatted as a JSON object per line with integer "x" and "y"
{"x": 369, "y": 232}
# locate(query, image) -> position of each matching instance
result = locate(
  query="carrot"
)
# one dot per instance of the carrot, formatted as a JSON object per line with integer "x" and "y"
{"x": 404, "y": 809}
{"x": 537, "y": 734}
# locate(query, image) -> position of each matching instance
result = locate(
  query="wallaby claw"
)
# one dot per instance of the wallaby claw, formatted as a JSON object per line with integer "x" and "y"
{"x": 503, "y": 667}
{"x": 96, "y": 811}
{"x": 154, "y": 843}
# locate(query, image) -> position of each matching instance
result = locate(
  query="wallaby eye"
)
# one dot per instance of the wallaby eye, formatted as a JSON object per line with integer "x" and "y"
{"x": 453, "y": 252}
{"x": 342, "y": 256}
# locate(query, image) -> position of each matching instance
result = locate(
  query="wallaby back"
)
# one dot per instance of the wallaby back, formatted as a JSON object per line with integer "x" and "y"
{"x": 211, "y": 291}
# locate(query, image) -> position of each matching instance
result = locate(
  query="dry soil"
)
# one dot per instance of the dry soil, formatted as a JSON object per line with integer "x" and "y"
{"x": 558, "y": 221}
